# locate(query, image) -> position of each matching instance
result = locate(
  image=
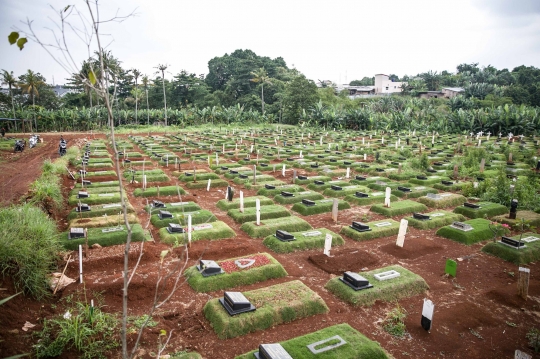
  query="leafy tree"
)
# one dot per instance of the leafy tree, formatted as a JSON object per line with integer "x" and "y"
{"x": 162, "y": 68}
{"x": 366, "y": 81}
{"x": 472, "y": 68}
{"x": 261, "y": 76}
{"x": 300, "y": 94}
{"x": 9, "y": 79}
{"x": 29, "y": 83}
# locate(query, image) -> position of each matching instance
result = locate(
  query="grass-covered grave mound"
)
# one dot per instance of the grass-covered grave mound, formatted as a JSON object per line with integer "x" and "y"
{"x": 298, "y": 197}
{"x": 399, "y": 208}
{"x": 443, "y": 200}
{"x": 372, "y": 197}
{"x": 382, "y": 228}
{"x": 272, "y": 192}
{"x": 264, "y": 267}
{"x": 212, "y": 231}
{"x": 105, "y": 236}
{"x": 407, "y": 284}
{"x": 250, "y": 213}
{"x": 303, "y": 241}
{"x": 280, "y": 303}
{"x": 488, "y": 209}
{"x": 226, "y": 205}
{"x": 357, "y": 346}
{"x": 99, "y": 210}
{"x": 163, "y": 191}
{"x": 437, "y": 219}
{"x": 321, "y": 206}
{"x": 480, "y": 232}
{"x": 197, "y": 217}
{"x": 270, "y": 226}
{"x": 524, "y": 255}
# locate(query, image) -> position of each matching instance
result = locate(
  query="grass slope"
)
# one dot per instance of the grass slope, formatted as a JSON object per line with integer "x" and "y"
{"x": 303, "y": 241}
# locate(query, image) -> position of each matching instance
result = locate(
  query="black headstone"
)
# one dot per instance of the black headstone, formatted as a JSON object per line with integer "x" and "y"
{"x": 284, "y": 236}
{"x": 209, "y": 268}
{"x": 355, "y": 281}
{"x": 360, "y": 227}
{"x": 308, "y": 202}
{"x": 421, "y": 217}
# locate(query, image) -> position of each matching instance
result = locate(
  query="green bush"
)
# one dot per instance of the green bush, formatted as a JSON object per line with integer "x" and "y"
{"x": 275, "y": 305}
{"x": 376, "y": 232}
{"x": 29, "y": 248}
{"x": 302, "y": 241}
{"x": 358, "y": 346}
{"x": 230, "y": 280}
{"x": 479, "y": 233}
{"x": 406, "y": 285}
{"x": 270, "y": 226}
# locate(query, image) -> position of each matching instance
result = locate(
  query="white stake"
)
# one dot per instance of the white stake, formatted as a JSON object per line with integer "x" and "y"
{"x": 402, "y": 231}
{"x": 283, "y": 171}
{"x": 347, "y": 175}
{"x": 258, "y": 211}
{"x": 208, "y": 185}
{"x": 189, "y": 229}
{"x": 80, "y": 262}
{"x": 387, "y": 197}
{"x": 241, "y": 201}
{"x": 327, "y": 244}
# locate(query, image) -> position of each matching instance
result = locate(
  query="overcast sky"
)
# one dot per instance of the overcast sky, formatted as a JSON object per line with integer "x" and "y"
{"x": 337, "y": 40}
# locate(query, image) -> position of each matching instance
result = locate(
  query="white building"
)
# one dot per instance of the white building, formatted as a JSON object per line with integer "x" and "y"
{"x": 383, "y": 85}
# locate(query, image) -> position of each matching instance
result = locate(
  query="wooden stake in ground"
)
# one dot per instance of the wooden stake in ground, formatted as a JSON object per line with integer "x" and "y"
{"x": 85, "y": 243}
{"x": 62, "y": 276}
{"x": 335, "y": 210}
{"x": 523, "y": 282}
{"x": 482, "y": 165}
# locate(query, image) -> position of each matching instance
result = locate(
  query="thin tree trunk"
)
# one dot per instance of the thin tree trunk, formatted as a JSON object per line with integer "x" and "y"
{"x": 164, "y": 96}
{"x": 136, "y": 100}
{"x": 34, "y": 109}
{"x": 12, "y": 105}
{"x": 147, "y": 110}
{"x": 262, "y": 98}
{"x": 90, "y": 93}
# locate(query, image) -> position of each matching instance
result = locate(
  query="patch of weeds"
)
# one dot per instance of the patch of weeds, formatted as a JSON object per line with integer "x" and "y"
{"x": 510, "y": 324}
{"x": 533, "y": 336}
{"x": 86, "y": 329}
{"x": 511, "y": 274}
{"x": 394, "y": 323}
{"x": 138, "y": 322}
{"x": 475, "y": 333}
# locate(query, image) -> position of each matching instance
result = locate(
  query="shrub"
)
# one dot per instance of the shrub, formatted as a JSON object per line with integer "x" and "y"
{"x": 28, "y": 248}
{"x": 394, "y": 323}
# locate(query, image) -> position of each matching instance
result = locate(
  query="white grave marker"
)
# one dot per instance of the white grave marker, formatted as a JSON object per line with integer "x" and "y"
{"x": 208, "y": 185}
{"x": 327, "y": 244}
{"x": 258, "y": 211}
{"x": 283, "y": 171}
{"x": 387, "y": 197}
{"x": 189, "y": 229}
{"x": 348, "y": 174}
{"x": 427, "y": 314}
{"x": 402, "y": 231}
{"x": 241, "y": 201}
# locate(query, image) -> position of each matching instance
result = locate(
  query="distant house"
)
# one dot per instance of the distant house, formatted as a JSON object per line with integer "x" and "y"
{"x": 450, "y": 92}
{"x": 61, "y": 91}
{"x": 383, "y": 85}
{"x": 361, "y": 90}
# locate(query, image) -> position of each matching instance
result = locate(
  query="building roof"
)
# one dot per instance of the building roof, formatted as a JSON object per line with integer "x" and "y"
{"x": 455, "y": 89}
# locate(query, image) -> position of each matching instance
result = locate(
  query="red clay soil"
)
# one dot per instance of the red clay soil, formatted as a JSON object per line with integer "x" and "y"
{"x": 477, "y": 315}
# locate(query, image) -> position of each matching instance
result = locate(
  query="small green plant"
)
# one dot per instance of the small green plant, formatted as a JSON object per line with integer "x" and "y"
{"x": 394, "y": 323}
{"x": 84, "y": 328}
{"x": 533, "y": 336}
{"x": 475, "y": 333}
{"x": 522, "y": 226}
{"x": 498, "y": 229}
{"x": 138, "y": 322}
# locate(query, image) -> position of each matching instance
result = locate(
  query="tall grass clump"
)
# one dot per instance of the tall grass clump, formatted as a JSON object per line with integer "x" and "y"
{"x": 28, "y": 248}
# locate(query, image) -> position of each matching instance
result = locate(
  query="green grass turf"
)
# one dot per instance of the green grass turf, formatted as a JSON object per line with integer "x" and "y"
{"x": 99, "y": 210}
{"x": 480, "y": 232}
{"x": 374, "y": 197}
{"x": 311, "y": 179}
{"x": 358, "y": 346}
{"x": 416, "y": 191}
{"x": 215, "y": 183}
{"x": 97, "y": 198}
{"x": 408, "y": 284}
{"x": 279, "y": 188}
{"x": 93, "y": 174}
{"x": 376, "y": 232}
{"x": 225, "y": 205}
{"x": 270, "y": 226}
{"x": 399, "y": 208}
{"x": 298, "y": 197}
{"x": 303, "y": 241}
{"x": 438, "y": 219}
{"x": 488, "y": 209}
{"x": 322, "y": 187}
{"x": 174, "y": 207}
{"x": 96, "y": 235}
{"x": 277, "y": 304}
{"x": 199, "y": 177}
{"x": 457, "y": 186}
{"x": 532, "y": 218}
{"x": 241, "y": 277}
{"x": 345, "y": 190}
{"x": 219, "y": 230}
{"x": 197, "y": 217}
{"x": 267, "y": 212}
{"x": 531, "y": 253}
{"x": 447, "y": 200}
{"x": 96, "y": 184}
{"x": 163, "y": 191}
{"x": 431, "y": 180}
{"x": 321, "y": 206}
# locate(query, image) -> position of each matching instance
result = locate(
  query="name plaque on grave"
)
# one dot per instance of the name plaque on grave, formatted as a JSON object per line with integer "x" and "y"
{"x": 421, "y": 177}
{"x": 360, "y": 178}
{"x": 512, "y": 242}
{"x": 158, "y": 204}
{"x": 302, "y": 177}
{"x": 83, "y": 207}
{"x": 307, "y": 202}
{"x": 355, "y": 281}
{"x": 236, "y": 303}
{"x": 112, "y": 229}
{"x": 382, "y": 224}
{"x": 268, "y": 186}
{"x": 272, "y": 351}
{"x": 462, "y": 226}
{"x": 286, "y": 194}
{"x": 165, "y": 214}
{"x": 174, "y": 204}
{"x": 76, "y": 233}
{"x": 312, "y": 234}
{"x": 106, "y": 194}
{"x": 361, "y": 195}
{"x": 313, "y": 347}
{"x": 437, "y": 214}
{"x": 201, "y": 227}
{"x": 318, "y": 182}
{"x": 386, "y": 275}
{"x": 530, "y": 239}
{"x": 433, "y": 196}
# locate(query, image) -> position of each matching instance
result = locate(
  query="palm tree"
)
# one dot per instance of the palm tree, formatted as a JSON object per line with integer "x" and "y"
{"x": 136, "y": 74}
{"x": 162, "y": 68}
{"x": 9, "y": 79}
{"x": 145, "y": 82}
{"x": 29, "y": 84}
{"x": 261, "y": 77}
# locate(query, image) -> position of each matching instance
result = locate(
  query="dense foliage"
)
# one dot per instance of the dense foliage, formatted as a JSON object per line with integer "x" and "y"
{"x": 243, "y": 87}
